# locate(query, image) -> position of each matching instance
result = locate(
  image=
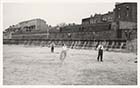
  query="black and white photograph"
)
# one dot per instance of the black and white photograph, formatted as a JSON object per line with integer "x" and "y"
{"x": 70, "y": 43}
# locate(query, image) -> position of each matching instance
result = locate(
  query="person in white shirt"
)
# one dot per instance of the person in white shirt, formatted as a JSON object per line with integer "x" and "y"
{"x": 100, "y": 52}
{"x": 63, "y": 53}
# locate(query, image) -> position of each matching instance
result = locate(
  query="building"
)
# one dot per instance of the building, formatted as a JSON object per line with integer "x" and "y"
{"x": 108, "y": 17}
{"x": 28, "y": 26}
{"x": 126, "y": 12}
{"x": 92, "y": 20}
{"x": 99, "y": 18}
{"x": 126, "y": 19}
{"x": 34, "y": 24}
{"x": 123, "y": 20}
{"x": 122, "y": 12}
{"x": 13, "y": 28}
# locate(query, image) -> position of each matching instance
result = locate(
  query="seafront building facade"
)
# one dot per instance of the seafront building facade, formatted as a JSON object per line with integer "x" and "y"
{"x": 114, "y": 28}
{"x": 33, "y": 25}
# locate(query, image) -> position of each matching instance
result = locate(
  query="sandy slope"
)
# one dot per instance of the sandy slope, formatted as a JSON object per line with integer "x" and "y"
{"x": 38, "y": 66}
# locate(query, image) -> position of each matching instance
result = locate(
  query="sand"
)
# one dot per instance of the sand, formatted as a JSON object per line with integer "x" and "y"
{"x": 35, "y": 65}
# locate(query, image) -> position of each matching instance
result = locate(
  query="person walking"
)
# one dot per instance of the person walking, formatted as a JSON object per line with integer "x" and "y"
{"x": 52, "y": 47}
{"x": 63, "y": 53}
{"x": 100, "y": 52}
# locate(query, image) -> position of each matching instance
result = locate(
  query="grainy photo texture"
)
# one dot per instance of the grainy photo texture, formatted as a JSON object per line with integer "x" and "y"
{"x": 70, "y": 43}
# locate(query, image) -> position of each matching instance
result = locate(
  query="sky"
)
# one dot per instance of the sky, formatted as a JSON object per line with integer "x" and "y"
{"x": 52, "y": 13}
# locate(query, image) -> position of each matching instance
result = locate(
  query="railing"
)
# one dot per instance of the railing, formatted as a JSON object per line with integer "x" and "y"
{"x": 77, "y": 44}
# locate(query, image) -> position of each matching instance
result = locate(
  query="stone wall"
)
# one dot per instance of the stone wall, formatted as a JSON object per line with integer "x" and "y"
{"x": 132, "y": 45}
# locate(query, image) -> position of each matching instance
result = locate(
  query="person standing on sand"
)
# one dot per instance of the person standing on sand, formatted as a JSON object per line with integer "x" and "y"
{"x": 52, "y": 47}
{"x": 100, "y": 52}
{"x": 63, "y": 53}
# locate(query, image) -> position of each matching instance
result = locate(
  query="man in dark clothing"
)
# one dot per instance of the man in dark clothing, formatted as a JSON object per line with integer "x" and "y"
{"x": 100, "y": 52}
{"x": 52, "y": 47}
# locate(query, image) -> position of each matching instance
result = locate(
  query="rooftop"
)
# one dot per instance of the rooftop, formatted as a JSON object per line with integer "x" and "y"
{"x": 32, "y": 20}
